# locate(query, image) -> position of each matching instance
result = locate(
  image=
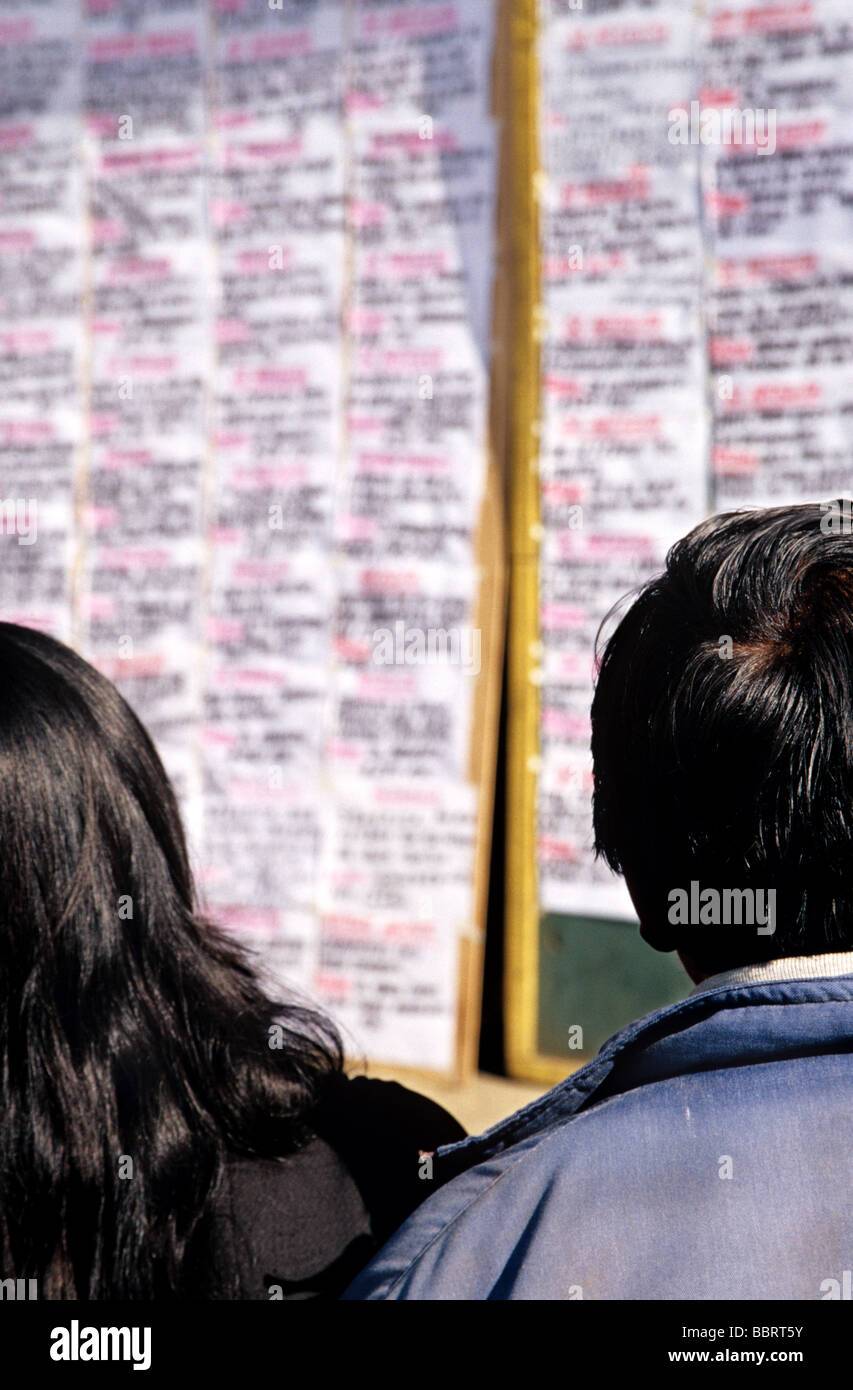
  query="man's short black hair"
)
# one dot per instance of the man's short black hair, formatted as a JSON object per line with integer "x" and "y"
{"x": 722, "y": 733}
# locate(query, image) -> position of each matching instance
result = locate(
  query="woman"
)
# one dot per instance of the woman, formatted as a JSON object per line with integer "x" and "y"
{"x": 153, "y": 1143}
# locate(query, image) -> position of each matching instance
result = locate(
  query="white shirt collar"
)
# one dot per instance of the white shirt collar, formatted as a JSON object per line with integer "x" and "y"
{"x": 787, "y": 968}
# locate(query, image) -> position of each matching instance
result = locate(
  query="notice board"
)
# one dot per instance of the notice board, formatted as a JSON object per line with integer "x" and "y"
{"x": 247, "y": 253}
{"x": 681, "y": 245}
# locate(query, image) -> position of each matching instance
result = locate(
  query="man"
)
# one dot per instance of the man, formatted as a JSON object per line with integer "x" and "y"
{"x": 707, "y": 1151}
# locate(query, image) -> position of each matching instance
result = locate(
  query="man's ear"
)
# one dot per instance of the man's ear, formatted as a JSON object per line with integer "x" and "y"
{"x": 650, "y": 904}
{"x": 660, "y": 936}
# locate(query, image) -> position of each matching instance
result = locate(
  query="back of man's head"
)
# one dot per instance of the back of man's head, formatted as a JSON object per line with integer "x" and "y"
{"x": 722, "y": 740}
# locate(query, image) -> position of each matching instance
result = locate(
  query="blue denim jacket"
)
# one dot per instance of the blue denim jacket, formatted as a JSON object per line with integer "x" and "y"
{"x": 705, "y": 1153}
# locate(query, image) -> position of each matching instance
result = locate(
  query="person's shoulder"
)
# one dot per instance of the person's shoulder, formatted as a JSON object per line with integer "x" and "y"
{"x": 462, "y": 1244}
{"x": 408, "y": 1114}
{"x": 383, "y": 1131}
{"x": 294, "y": 1227}
{"x": 304, "y": 1181}
{"x": 358, "y": 1113}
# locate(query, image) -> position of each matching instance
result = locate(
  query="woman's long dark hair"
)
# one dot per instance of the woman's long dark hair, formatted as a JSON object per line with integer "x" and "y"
{"x": 134, "y": 1036}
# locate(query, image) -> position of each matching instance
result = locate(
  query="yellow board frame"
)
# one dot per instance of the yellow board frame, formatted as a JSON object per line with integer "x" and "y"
{"x": 521, "y": 987}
